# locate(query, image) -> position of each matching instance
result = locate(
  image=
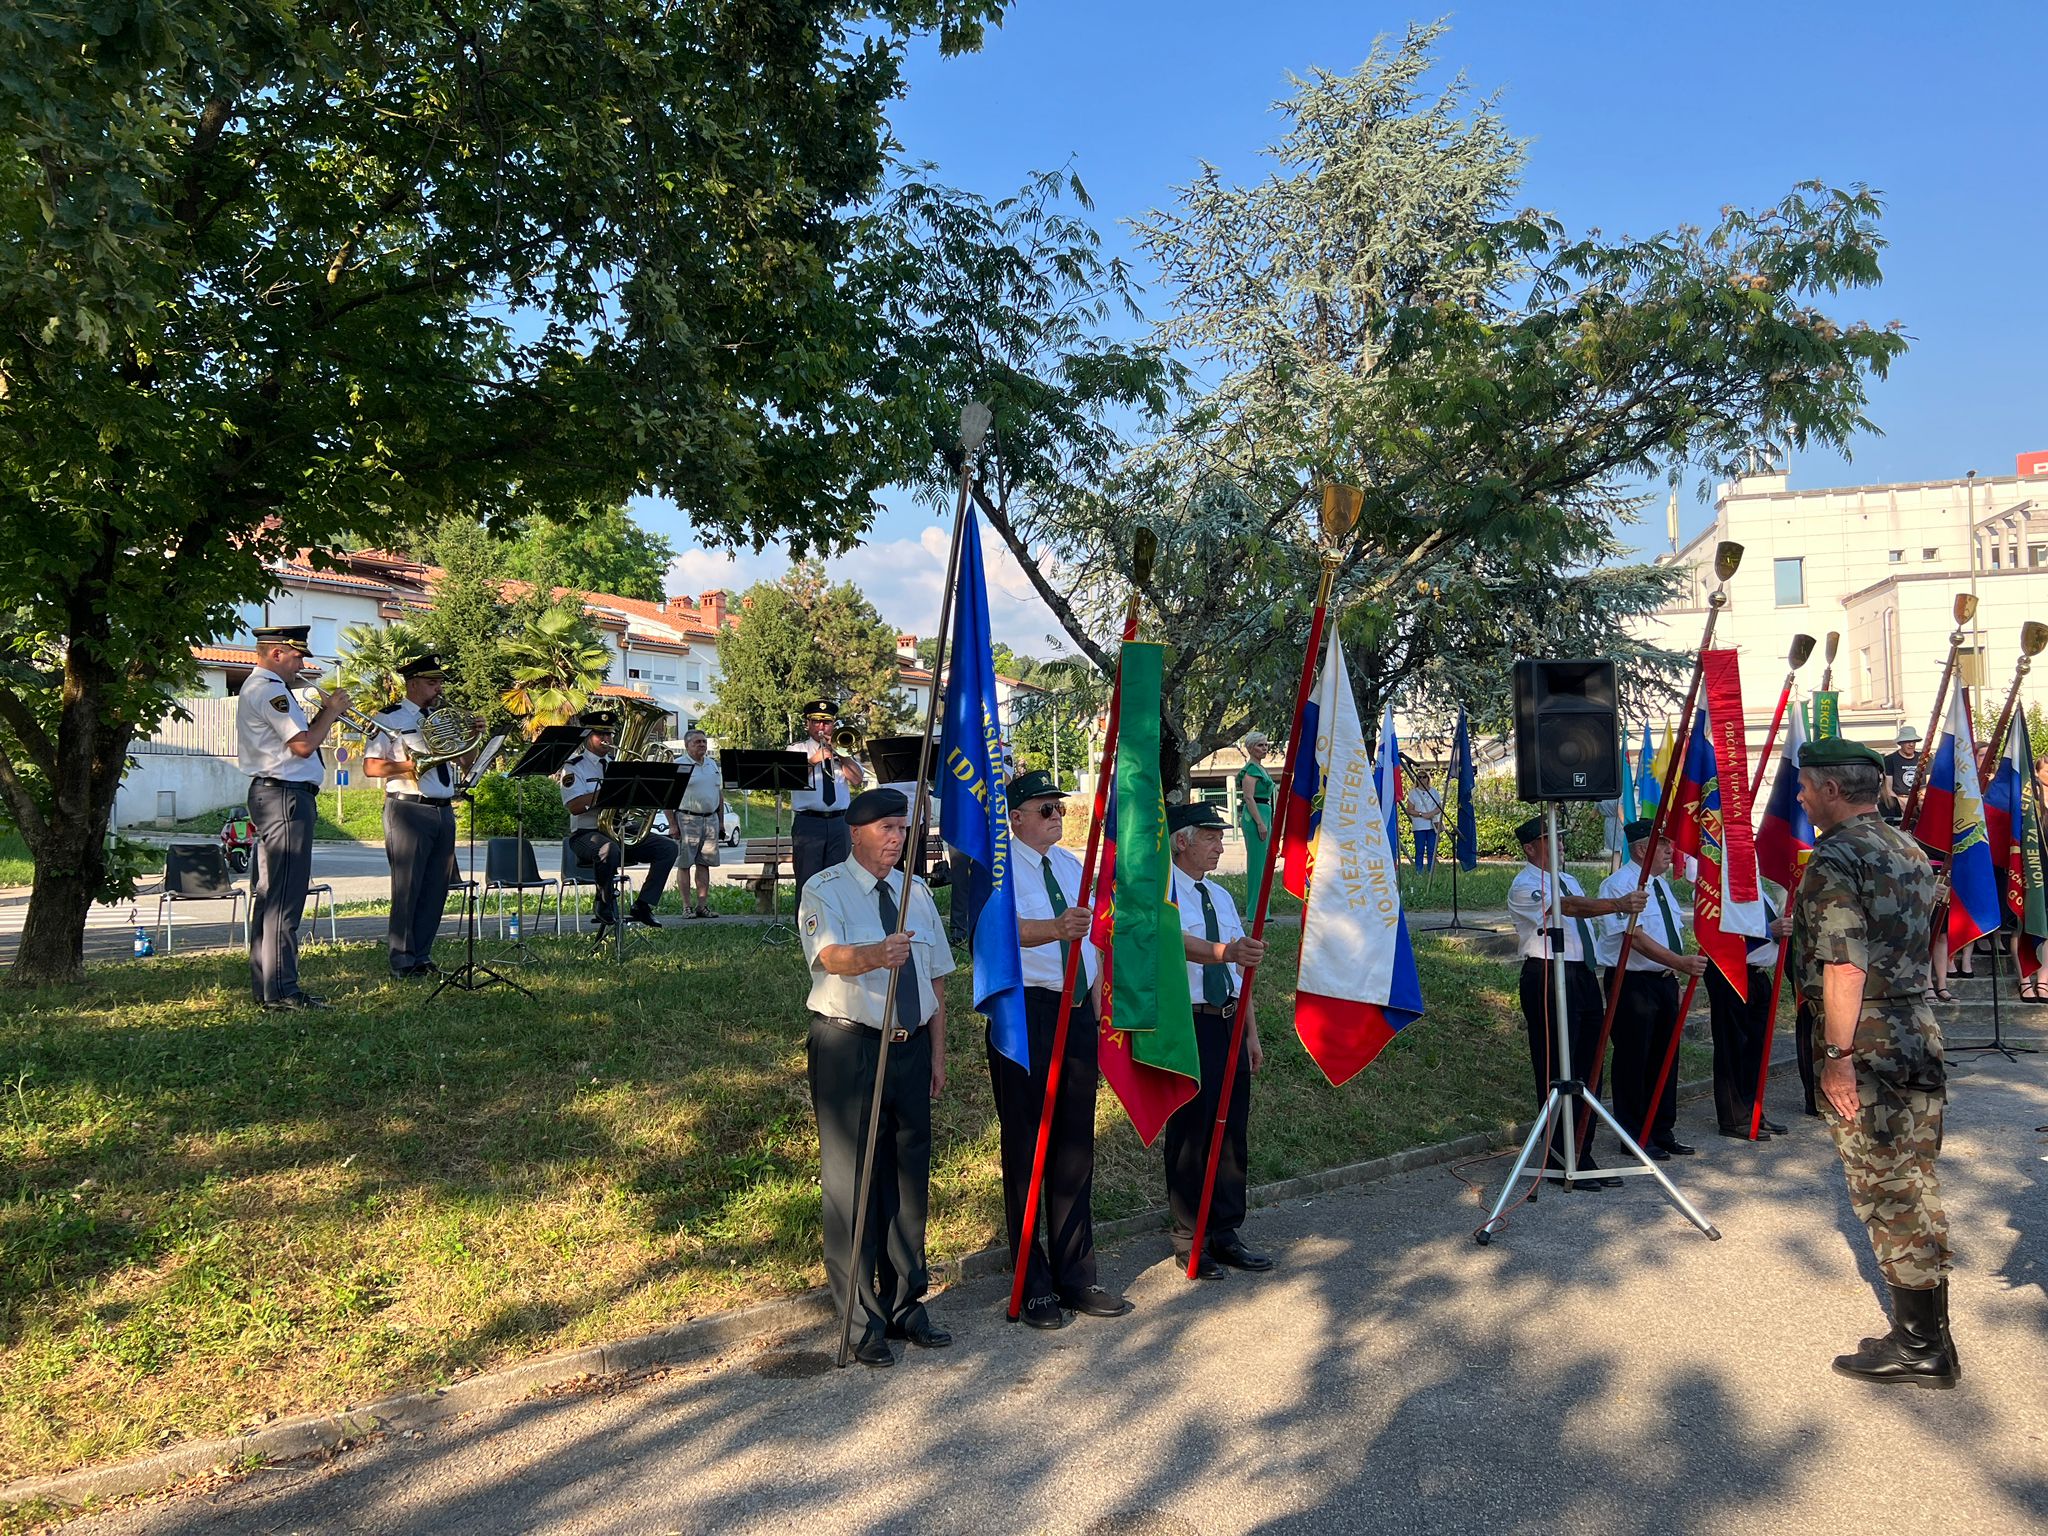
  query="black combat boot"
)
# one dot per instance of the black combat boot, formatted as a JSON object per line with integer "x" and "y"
{"x": 1915, "y": 1352}
{"x": 1955, "y": 1360}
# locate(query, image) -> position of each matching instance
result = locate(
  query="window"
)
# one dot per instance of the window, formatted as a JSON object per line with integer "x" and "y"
{"x": 247, "y": 617}
{"x": 323, "y": 637}
{"x": 1929, "y": 553}
{"x": 2037, "y": 554}
{"x": 693, "y": 676}
{"x": 1897, "y": 557}
{"x": 1995, "y": 552}
{"x": 1791, "y": 579}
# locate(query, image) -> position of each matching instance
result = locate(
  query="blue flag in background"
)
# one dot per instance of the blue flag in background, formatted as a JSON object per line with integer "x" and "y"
{"x": 1648, "y": 790}
{"x": 1628, "y": 790}
{"x": 974, "y": 809}
{"x": 1465, "y": 849}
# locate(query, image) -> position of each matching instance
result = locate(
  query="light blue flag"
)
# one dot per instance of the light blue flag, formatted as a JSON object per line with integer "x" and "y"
{"x": 1648, "y": 790}
{"x": 974, "y": 809}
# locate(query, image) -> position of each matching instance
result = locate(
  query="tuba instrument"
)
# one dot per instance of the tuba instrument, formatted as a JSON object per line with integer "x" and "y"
{"x": 642, "y": 727}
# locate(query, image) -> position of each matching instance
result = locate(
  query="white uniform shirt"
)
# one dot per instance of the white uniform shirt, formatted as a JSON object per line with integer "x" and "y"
{"x": 1424, "y": 807}
{"x": 399, "y": 739}
{"x": 1529, "y": 906}
{"x": 706, "y": 789}
{"x": 267, "y": 715}
{"x": 839, "y": 906}
{"x": 1766, "y": 953}
{"x": 1187, "y": 895}
{"x": 580, "y": 776}
{"x": 1607, "y": 934}
{"x": 1044, "y": 964}
{"x": 812, "y": 798}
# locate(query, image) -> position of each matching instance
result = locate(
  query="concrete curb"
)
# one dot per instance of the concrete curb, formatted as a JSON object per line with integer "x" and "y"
{"x": 318, "y": 1433}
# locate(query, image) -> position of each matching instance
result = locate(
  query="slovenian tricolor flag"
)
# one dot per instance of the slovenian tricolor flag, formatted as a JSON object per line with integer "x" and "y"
{"x": 1358, "y": 986}
{"x": 1785, "y": 835}
{"x": 1952, "y": 822}
{"x": 1305, "y": 813}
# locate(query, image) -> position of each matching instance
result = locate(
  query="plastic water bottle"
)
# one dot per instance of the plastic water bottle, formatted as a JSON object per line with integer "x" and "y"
{"x": 144, "y": 945}
{"x": 514, "y": 925}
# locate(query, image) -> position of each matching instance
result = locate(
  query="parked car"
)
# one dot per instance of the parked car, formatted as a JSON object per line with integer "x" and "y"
{"x": 729, "y": 827}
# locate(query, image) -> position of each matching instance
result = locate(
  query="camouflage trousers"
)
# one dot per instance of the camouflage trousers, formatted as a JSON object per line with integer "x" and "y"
{"x": 1888, "y": 1154}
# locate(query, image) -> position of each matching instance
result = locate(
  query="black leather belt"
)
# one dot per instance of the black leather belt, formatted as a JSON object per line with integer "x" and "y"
{"x": 826, "y": 815}
{"x": 854, "y": 1027}
{"x": 1227, "y": 1011}
{"x": 402, "y": 794}
{"x": 264, "y": 778}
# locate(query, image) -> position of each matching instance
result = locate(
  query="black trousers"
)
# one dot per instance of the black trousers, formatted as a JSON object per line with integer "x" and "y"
{"x": 419, "y": 844}
{"x": 818, "y": 840}
{"x": 1645, "y": 1018}
{"x": 283, "y": 817}
{"x": 600, "y": 850}
{"x": 1583, "y": 1002}
{"x": 1742, "y": 1032}
{"x": 1063, "y": 1248}
{"x": 1188, "y": 1133}
{"x": 1803, "y": 1027}
{"x": 890, "y": 1278}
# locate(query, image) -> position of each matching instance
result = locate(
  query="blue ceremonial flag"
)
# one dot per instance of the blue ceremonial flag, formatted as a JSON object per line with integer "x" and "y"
{"x": 974, "y": 808}
{"x": 1466, "y": 847}
{"x": 1648, "y": 790}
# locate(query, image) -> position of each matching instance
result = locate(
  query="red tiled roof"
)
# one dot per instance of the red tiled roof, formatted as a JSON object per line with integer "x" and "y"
{"x": 621, "y": 691}
{"x": 224, "y": 655}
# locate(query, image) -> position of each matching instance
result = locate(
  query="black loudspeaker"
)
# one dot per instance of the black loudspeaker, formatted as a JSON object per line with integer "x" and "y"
{"x": 1567, "y": 731}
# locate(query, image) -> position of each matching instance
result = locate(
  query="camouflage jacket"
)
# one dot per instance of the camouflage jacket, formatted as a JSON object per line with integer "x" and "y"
{"x": 1868, "y": 901}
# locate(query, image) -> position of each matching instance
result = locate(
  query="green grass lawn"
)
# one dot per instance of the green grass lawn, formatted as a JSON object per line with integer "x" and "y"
{"x": 217, "y": 1213}
{"x": 16, "y": 867}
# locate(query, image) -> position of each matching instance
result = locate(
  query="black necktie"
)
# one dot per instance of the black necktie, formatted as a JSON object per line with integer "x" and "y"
{"x": 826, "y": 775}
{"x": 907, "y": 1010}
{"x": 1215, "y": 977}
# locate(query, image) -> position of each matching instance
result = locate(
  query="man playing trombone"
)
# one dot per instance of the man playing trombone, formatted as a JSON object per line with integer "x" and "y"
{"x": 419, "y": 817}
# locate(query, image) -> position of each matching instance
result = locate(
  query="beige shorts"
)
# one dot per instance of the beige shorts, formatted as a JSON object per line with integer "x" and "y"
{"x": 696, "y": 838}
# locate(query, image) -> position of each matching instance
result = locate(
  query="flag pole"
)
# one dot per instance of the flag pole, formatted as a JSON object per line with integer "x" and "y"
{"x": 2033, "y": 637}
{"x": 1965, "y": 610}
{"x": 1727, "y": 560}
{"x": 1802, "y": 648}
{"x": 974, "y": 424}
{"x": 1143, "y": 546}
{"x": 1341, "y": 506}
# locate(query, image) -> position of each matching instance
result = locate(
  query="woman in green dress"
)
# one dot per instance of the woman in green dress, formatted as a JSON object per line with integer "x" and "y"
{"x": 1255, "y": 812}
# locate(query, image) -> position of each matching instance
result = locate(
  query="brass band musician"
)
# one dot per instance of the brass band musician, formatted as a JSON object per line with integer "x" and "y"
{"x": 818, "y": 837}
{"x": 593, "y": 844}
{"x": 419, "y": 818}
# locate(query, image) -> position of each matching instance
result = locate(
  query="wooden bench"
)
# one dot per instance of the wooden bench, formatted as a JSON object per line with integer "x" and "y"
{"x": 773, "y": 858}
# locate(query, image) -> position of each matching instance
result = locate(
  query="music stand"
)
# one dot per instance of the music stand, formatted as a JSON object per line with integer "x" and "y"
{"x": 470, "y": 976}
{"x": 634, "y": 786}
{"x": 778, "y": 772}
{"x": 894, "y": 759}
{"x": 545, "y": 757}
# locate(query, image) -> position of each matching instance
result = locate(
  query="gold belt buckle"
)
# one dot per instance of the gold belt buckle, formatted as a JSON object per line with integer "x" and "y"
{"x": 898, "y": 1035}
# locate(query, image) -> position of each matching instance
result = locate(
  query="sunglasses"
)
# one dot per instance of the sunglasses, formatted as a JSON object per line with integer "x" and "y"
{"x": 1047, "y": 812}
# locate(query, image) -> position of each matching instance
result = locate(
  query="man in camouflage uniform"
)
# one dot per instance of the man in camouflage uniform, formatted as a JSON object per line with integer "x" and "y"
{"x": 1861, "y": 918}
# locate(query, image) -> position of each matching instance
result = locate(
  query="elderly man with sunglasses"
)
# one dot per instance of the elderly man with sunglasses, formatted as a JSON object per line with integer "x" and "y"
{"x": 1052, "y": 918}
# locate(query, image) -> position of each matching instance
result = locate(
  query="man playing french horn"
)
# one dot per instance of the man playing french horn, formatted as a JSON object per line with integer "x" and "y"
{"x": 419, "y": 816}
{"x": 591, "y": 842}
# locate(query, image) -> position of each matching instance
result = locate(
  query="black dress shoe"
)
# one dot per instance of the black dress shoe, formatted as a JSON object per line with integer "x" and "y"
{"x": 642, "y": 914}
{"x": 1773, "y": 1127}
{"x": 874, "y": 1351}
{"x": 1043, "y": 1313}
{"x": 298, "y": 1002}
{"x": 924, "y": 1333}
{"x": 1237, "y": 1256}
{"x": 1095, "y": 1302}
{"x": 1741, "y": 1132}
{"x": 1208, "y": 1269}
{"x": 1677, "y": 1148}
{"x": 1656, "y": 1154}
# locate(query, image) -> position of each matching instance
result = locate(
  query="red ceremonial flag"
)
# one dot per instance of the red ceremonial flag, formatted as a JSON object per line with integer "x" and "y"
{"x": 1696, "y": 827}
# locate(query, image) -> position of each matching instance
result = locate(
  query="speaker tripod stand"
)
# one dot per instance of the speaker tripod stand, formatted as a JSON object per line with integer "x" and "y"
{"x": 1568, "y": 1094}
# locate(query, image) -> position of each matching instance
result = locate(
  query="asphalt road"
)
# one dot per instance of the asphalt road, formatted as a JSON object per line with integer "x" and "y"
{"x": 1600, "y": 1368}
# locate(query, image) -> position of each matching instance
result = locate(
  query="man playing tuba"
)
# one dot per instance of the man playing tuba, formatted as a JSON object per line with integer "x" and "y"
{"x": 591, "y": 842}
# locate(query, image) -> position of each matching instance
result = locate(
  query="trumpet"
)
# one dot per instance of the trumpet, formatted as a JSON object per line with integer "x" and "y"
{"x": 313, "y": 700}
{"x": 448, "y": 733}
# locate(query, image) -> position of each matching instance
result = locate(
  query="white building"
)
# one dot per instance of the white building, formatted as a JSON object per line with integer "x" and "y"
{"x": 1881, "y": 565}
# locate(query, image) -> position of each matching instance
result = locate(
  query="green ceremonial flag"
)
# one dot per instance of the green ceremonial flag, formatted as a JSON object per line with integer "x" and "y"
{"x": 1827, "y": 715}
{"x": 1148, "y": 970}
{"x": 2024, "y": 891}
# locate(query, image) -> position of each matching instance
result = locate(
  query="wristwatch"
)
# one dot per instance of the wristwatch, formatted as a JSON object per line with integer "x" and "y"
{"x": 1837, "y": 1052}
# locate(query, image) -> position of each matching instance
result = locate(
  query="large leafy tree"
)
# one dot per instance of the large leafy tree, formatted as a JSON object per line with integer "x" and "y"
{"x": 802, "y": 638}
{"x": 599, "y": 550}
{"x": 1376, "y": 310}
{"x": 277, "y": 276}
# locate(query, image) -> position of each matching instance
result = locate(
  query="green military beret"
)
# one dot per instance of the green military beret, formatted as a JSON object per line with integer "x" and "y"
{"x": 1530, "y": 831}
{"x": 1639, "y": 829}
{"x": 1032, "y": 784}
{"x": 1836, "y": 752}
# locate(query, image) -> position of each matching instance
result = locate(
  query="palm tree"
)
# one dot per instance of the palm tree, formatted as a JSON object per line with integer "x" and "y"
{"x": 370, "y": 661}
{"x": 557, "y": 663}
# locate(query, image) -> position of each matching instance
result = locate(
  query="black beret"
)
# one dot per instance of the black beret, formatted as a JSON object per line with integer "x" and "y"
{"x": 1530, "y": 831}
{"x": 1197, "y": 813}
{"x": 876, "y": 805}
{"x": 1837, "y": 751}
{"x": 1639, "y": 829}
{"x": 1034, "y": 784}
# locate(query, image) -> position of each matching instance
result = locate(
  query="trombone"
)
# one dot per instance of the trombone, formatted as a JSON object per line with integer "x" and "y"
{"x": 449, "y": 733}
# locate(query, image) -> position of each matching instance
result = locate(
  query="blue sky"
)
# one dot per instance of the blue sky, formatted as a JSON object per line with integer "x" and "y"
{"x": 1642, "y": 116}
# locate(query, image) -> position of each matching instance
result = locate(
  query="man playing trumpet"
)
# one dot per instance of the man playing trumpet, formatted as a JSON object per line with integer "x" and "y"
{"x": 817, "y": 833}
